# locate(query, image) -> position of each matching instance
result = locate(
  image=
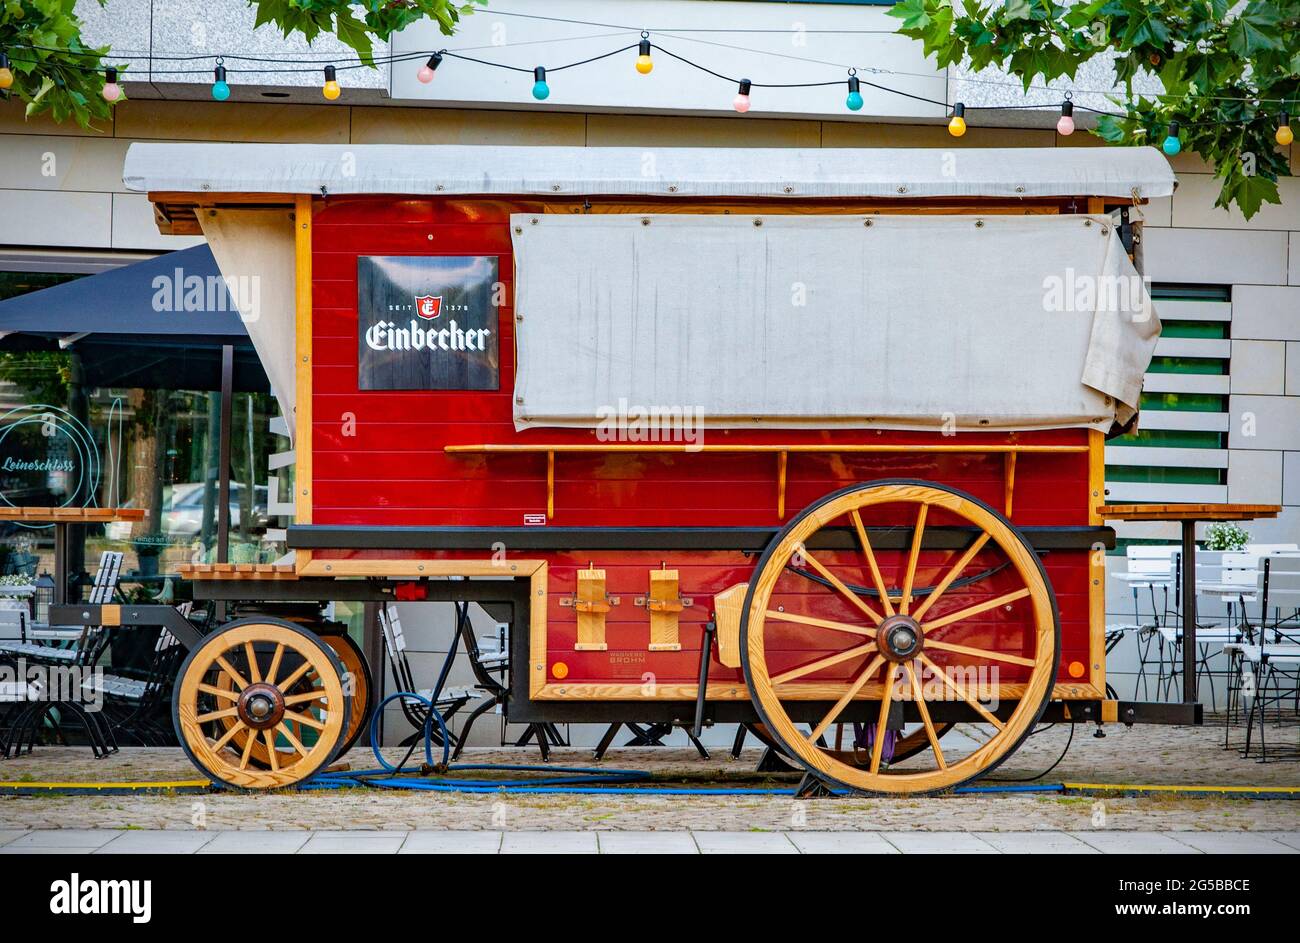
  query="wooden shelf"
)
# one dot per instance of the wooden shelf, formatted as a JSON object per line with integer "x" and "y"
{"x": 71, "y": 515}
{"x": 236, "y": 571}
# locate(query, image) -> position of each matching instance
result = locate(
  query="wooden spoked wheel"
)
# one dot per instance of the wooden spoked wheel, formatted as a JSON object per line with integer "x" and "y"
{"x": 356, "y": 682}
{"x": 248, "y": 682}
{"x": 834, "y": 635}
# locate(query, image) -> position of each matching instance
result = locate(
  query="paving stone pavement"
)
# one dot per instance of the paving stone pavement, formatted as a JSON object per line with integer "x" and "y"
{"x": 401, "y": 841}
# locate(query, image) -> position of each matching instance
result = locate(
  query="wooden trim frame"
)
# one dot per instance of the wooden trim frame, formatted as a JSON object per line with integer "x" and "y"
{"x": 1096, "y": 570}
{"x": 302, "y": 479}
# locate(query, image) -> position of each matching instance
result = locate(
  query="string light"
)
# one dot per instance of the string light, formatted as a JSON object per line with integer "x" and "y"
{"x": 541, "y": 91}
{"x": 957, "y": 124}
{"x": 854, "y": 101}
{"x": 425, "y": 75}
{"x": 1172, "y": 145}
{"x": 1065, "y": 123}
{"x": 741, "y": 101}
{"x": 220, "y": 90}
{"x": 331, "y": 89}
{"x": 644, "y": 64}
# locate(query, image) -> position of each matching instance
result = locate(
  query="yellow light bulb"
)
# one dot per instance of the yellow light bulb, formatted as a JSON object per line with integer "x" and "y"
{"x": 331, "y": 90}
{"x": 644, "y": 64}
{"x": 6, "y": 78}
{"x": 1285, "y": 135}
{"x": 957, "y": 126}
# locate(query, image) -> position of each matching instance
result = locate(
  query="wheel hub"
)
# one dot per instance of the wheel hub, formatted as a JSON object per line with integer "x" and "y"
{"x": 899, "y": 638}
{"x": 261, "y": 706}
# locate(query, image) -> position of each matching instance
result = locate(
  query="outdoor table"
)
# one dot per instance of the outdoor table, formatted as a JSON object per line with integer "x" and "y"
{"x": 61, "y": 518}
{"x": 1188, "y": 515}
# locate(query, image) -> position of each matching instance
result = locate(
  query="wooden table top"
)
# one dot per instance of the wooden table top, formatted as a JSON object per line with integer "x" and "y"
{"x": 71, "y": 515}
{"x": 1188, "y": 512}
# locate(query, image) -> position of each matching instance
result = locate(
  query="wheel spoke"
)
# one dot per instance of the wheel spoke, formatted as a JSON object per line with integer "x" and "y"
{"x": 248, "y": 749}
{"x": 981, "y": 653}
{"x": 215, "y": 691}
{"x": 217, "y": 715}
{"x": 274, "y": 670}
{"x": 886, "y": 698}
{"x": 956, "y": 689}
{"x": 297, "y": 673}
{"x": 905, "y": 604}
{"x": 952, "y": 574}
{"x": 315, "y": 694}
{"x": 871, "y": 562}
{"x": 919, "y": 697}
{"x": 843, "y": 702}
{"x": 974, "y": 610}
{"x": 305, "y": 720}
{"x": 821, "y": 623}
{"x": 254, "y": 673}
{"x": 835, "y": 581}
{"x": 269, "y": 737}
{"x": 293, "y": 740}
{"x": 819, "y": 664}
{"x": 228, "y": 736}
{"x": 235, "y": 676}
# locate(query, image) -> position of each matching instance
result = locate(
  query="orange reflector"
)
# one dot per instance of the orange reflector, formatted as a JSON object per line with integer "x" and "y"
{"x": 560, "y": 670}
{"x": 1076, "y": 669}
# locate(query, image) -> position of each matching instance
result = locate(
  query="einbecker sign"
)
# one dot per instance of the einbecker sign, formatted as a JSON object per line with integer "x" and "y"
{"x": 427, "y": 323}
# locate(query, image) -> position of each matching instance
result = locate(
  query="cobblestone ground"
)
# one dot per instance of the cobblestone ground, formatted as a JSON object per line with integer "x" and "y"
{"x": 1143, "y": 755}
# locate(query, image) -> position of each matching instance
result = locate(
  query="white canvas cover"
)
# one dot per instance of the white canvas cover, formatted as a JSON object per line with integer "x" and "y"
{"x": 911, "y": 322}
{"x": 796, "y": 173}
{"x": 258, "y": 245}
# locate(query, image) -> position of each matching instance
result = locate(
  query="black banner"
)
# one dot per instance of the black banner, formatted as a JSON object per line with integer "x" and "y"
{"x": 427, "y": 322}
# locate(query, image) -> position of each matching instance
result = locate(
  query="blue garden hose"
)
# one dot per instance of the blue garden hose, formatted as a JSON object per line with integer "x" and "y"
{"x": 573, "y": 780}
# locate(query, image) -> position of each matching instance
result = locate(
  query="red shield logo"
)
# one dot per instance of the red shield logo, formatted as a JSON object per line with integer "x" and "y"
{"x": 428, "y": 306}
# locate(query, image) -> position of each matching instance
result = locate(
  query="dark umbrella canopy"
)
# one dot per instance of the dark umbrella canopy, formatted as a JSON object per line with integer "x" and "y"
{"x": 157, "y": 324}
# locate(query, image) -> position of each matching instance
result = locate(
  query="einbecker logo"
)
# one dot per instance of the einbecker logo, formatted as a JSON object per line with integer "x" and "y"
{"x": 428, "y": 306}
{"x": 76, "y": 896}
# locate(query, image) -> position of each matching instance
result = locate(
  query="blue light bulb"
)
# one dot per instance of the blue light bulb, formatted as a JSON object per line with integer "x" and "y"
{"x": 220, "y": 90}
{"x": 854, "y": 101}
{"x": 1172, "y": 145}
{"x": 541, "y": 91}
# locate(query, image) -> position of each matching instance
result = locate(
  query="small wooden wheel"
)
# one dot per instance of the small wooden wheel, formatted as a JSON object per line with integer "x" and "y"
{"x": 826, "y": 638}
{"x": 248, "y": 681}
{"x": 356, "y": 682}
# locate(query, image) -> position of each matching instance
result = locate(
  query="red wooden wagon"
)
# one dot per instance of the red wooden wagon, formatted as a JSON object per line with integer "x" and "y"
{"x": 805, "y": 440}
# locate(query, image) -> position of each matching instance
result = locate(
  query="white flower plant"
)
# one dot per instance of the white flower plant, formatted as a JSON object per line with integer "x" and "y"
{"x": 1226, "y": 535}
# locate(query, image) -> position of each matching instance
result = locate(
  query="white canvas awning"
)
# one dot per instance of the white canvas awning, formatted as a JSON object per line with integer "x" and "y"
{"x": 790, "y": 321}
{"x": 798, "y": 173}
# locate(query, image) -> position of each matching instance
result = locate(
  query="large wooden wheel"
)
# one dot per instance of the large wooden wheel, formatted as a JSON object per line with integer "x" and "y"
{"x": 830, "y": 635}
{"x": 249, "y": 685}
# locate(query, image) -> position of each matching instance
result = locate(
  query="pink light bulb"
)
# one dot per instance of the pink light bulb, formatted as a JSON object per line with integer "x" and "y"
{"x": 425, "y": 74}
{"x": 112, "y": 91}
{"x": 741, "y": 103}
{"x": 1065, "y": 126}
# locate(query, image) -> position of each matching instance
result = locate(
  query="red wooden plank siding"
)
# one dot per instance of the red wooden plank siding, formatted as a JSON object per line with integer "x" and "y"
{"x": 394, "y": 471}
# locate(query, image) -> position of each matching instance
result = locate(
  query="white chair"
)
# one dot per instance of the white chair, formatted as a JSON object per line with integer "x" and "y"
{"x": 1273, "y": 661}
{"x": 1149, "y": 574}
{"x": 79, "y": 645}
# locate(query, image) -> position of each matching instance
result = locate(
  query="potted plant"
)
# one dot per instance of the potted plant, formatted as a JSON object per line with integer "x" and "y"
{"x": 1226, "y": 535}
